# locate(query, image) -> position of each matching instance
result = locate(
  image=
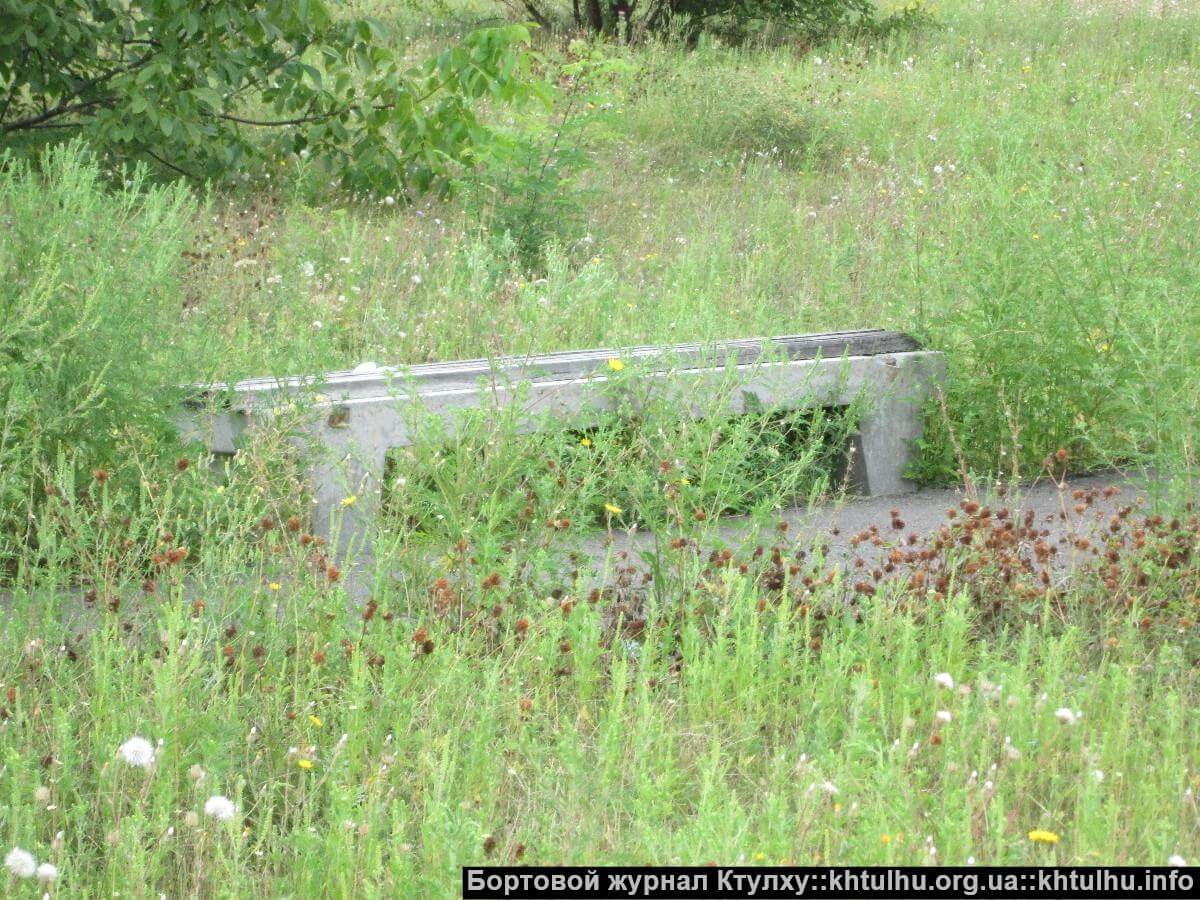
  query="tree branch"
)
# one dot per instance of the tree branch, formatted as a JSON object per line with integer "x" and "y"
{"x": 60, "y": 110}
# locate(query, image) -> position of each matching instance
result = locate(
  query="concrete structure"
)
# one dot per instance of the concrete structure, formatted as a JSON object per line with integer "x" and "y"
{"x": 358, "y": 416}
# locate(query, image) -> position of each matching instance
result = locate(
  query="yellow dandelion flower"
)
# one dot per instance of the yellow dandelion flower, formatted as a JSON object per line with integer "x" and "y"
{"x": 304, "y": 763}
{"x": 759, "y": 857}
{"x": 585, "y": 442}
{"x": 316, "y": 721}
{"x": 1039, "y": 836}
{"x": 616, "y": 364}
{"x": 350, "y": 501}
{"x": 275, "y": 585}
{"x": 886, "y": 838}
{"x": 612, "y": 509}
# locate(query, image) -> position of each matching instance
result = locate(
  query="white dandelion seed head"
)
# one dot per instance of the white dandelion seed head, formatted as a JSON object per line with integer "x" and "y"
{"x": 944, "y": 680}
{"x": 220, "y": 808}
{"x": 1066, "y": 716}
{"x": 389, "y": 201}
{"x": 943, "y": 716}
{"x": 1176, "y": 861}
{"x": 830, "y": 788}
{"x": 137, "y": 752}
{"x": 20, "y": 862}
{"x": 47, "y": 873}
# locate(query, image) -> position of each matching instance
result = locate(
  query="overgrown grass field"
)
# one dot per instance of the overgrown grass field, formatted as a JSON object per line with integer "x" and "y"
{"x": 1016, "y": 184}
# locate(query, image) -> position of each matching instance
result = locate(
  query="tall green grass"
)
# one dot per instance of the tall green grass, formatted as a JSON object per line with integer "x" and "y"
{"x": 1016, "y": 184}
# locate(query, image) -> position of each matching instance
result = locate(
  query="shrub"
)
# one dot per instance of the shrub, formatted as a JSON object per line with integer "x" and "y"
{"x": 88, "y": 301}
{"x": 633, "y": 19}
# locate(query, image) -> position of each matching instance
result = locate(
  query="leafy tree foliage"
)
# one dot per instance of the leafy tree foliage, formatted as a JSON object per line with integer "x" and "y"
{"x": 215, "y": 87}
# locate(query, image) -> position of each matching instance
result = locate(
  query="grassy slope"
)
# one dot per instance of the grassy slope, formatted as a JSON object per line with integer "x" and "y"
{"x": 1016, "y": 186}
{"x": 1023, "y": 266}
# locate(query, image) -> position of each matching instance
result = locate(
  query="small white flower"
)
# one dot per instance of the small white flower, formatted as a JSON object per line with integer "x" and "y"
{"x": 20, "y": 862}
{"x": 47, "y": 873}
{"x": 138, "y": 752}
{"x": 220, "y": 808}
{"x": 944, "y": 680}
{"x": 1098, "y": 775}
{"x": 830, "y": 788}
{"x": 416, "y": 279}
{"x": 937, "y": 170}
{"x": 943, "y": 716}
{"x": 389, "y": 201}
{"x": 1066, "y": 716}
{"x": 1176, "y": 861}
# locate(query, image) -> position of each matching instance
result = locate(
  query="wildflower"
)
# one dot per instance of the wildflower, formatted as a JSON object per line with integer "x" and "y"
{"x": 1039, "y": 836}
{"x": 885, "y": 838}
{"x": 275, "y": 586}
{"x": 830, "y": 788}
{"x": 317, "y": 723}
{"x": 616, "y": 364}
{"x": 759, "y": 857}
{"x": 219, "y": 808}
{"x": 138, "y": 752}
{"x": 1066, "y": 716}
{"x": 612, "y": 509}
{"x": 309, "y": 269}
{"x": 349, "y": 501}
{"x": 943, "y": 716}
{"x": 944, "y": 680}
{"x": 42, "y": 795}
{"x": 304, "y": 763}
{"x": 1176, "y": 861}
{"x": 585, "y": 442}
{"x": 20, "y": 862}
{"x": 389, "y": 200}
{"x": 196, "y": 773}
{"x": 47, "y": 873}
